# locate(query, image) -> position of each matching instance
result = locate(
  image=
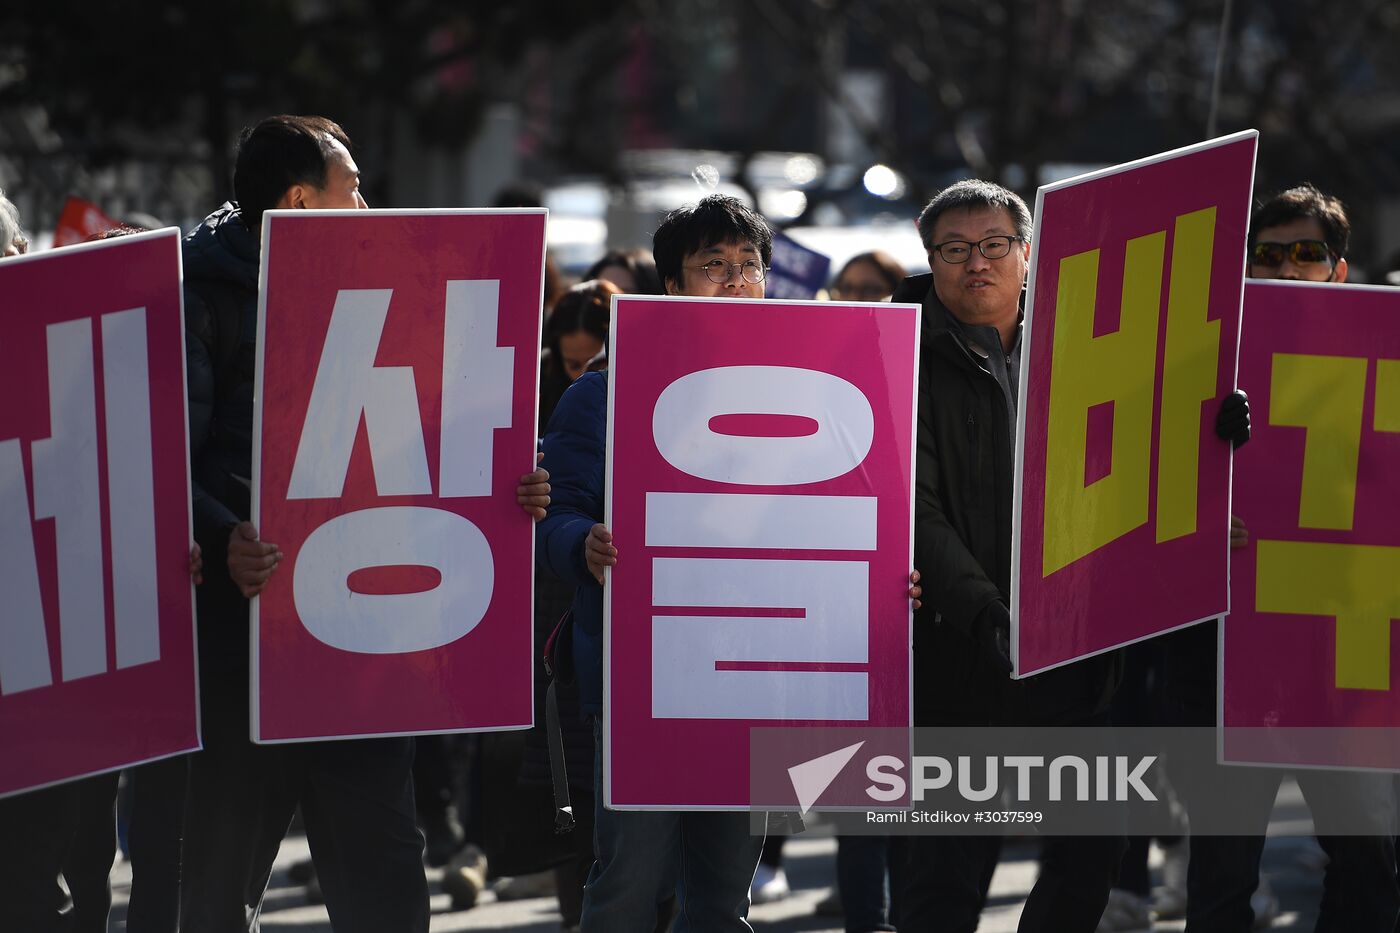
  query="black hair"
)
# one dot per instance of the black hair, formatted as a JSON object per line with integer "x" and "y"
{"x": 974, "y": 193}
{"x": 278, "y": 153}
{"x": 585, "y": 307}
{"x": 1301, "y": 203}
{"x": 638, "y": 262}
{"x": 718, "y": 218}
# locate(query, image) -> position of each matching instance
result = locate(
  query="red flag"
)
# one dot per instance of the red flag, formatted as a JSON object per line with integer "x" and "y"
{"x": 79, "y": 221}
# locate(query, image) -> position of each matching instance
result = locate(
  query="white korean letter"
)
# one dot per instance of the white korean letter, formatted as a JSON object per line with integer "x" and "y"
{"x": 681, "y": 425}
{"x": 66, "y": 490}
{"x": 477, "y": 386}
{"x": 400, "y": 622}
{"x": 347, "y": 385}
{"x": 24, "y": 648}
{"x": 130, "y": 487}
{"x": 685, "y": 649}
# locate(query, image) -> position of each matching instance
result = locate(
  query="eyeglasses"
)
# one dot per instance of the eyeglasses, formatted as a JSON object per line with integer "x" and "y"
{"x": 1271, "y": 255}
{"x": 959, "y": 251}
{"x": 721, "y": 271}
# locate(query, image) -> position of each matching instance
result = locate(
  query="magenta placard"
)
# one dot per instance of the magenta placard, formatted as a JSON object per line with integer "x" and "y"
{"x": 1122, "y": 489}
{"x": 1308, "y": 644}
{"x": 97, "y": 654}
{"x": 398, "y": 364}
{"x": 760, "y": 473}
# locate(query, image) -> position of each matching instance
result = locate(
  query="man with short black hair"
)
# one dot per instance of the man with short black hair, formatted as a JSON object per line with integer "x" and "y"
{"x": 356, "y": 796}
{"x": 717, "y": 248}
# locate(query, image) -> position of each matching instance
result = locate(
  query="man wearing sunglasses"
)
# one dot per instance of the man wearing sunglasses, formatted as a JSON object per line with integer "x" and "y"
{"x": 1300, "y": 235}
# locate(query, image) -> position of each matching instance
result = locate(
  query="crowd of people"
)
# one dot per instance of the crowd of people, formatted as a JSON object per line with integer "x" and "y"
{"x": 203, "y": 830}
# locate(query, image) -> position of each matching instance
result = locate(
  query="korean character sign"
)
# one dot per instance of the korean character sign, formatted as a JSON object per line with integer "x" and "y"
{"x": 398, "y": 360}
{"x": 1308, "y": 656}
{"x": 97, "y": 642}
{"x": 1122, "y": 488}
{"x": 759, "y": 489}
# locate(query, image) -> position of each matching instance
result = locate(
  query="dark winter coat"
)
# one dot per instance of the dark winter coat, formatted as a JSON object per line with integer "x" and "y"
{"x": 962, "y": 546}
{"x": 221, "y": 306}
{"x": 575, "y": 447}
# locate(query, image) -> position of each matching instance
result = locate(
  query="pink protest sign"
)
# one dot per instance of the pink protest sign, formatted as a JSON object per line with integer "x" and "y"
{"x": 398, "y": 356}
{"x": 97, "y": 664}
{"x": 759, "y": 490}
{"x": 1314, "y": 594}
{"x": 1132, "y": 322}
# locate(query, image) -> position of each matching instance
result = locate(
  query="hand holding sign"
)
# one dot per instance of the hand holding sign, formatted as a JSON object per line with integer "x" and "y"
{"x": 533, "y": 491}
{"x": 598, "y": 551}
{"x": 250, "y": 561}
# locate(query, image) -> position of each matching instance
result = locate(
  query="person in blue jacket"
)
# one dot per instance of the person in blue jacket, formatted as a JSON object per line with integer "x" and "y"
{"x": 719, "y": 248}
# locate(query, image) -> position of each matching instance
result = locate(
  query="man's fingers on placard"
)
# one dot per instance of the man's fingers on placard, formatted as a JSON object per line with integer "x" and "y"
{"x": 915, "y": 576}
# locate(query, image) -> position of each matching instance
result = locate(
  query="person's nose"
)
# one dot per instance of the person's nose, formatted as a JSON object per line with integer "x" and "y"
{"x": 363, "y": 204}
{"x": 976, "y": 262}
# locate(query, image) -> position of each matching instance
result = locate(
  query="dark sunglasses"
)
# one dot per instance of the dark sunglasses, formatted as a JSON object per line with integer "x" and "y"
{"x": 1300, "y": 251}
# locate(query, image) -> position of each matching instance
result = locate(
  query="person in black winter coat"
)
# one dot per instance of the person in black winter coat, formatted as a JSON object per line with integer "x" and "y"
{"x": 356, "y": 796}
{"x": 978, "y": 240}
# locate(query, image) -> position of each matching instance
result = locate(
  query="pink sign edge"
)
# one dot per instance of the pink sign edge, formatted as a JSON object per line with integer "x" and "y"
{"x": 918, "y": 310}
{"x": 255, "y": 509}
{"x": 1221, "y": 756}
{"x": 1019, "y": 454}
{"x": 178, "y": 235}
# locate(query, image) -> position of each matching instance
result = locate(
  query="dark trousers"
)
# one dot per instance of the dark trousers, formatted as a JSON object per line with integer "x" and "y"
{"x": 863, "y": 876}
{"x": 357, "y": 804}
{"x": 153, "y": 841}
{"x": 947, "y": 878}
{"x": 69, "y": 829}
{"x": 1359, "y": 893}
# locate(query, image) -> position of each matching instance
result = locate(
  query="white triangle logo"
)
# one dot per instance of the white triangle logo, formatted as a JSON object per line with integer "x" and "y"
{"x": 811, "y": 778}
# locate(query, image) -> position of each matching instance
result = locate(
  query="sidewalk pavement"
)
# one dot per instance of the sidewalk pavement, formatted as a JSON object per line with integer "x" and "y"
{"x": 1291, "y": 862}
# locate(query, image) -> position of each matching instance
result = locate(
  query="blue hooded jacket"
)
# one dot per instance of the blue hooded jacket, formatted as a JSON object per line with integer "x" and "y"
{"x": 575, "y": 454}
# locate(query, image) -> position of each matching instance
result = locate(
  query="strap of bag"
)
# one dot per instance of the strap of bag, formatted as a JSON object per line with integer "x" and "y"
{"x": 563, "y": 810}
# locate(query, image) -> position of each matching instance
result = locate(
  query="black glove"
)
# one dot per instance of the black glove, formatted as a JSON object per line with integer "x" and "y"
{"x": 1232, "y": 421}
{"x": 991, "y": 631}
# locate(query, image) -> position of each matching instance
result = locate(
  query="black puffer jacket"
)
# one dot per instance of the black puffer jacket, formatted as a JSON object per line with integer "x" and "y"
{"x": 963, "y": 492}
{"x": 221, "y": 307}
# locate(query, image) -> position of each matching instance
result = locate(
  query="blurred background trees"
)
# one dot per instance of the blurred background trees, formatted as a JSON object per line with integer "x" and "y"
{"x": 827, "y": 113}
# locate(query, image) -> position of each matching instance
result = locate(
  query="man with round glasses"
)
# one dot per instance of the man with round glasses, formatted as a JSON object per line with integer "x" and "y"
{"x": 1300, "y": 234}
{"x": 718, "y": 248}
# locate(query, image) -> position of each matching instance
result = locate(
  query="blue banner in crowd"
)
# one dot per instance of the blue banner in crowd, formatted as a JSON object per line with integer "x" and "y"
{"x": 798, "y": 272}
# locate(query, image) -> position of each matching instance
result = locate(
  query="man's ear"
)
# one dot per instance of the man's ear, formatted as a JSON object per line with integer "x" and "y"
{"x": 293, "y": 197}
{"x": 1339, "y": 272}
{"x": 672, "y": 287}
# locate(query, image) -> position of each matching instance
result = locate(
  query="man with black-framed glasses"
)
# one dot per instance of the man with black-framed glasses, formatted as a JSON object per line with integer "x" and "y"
{"x": 978, "y": 239}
